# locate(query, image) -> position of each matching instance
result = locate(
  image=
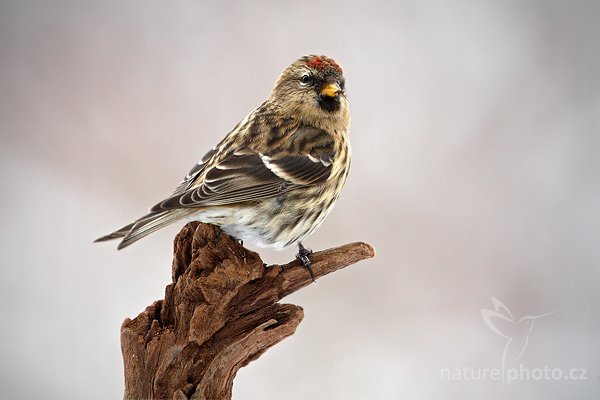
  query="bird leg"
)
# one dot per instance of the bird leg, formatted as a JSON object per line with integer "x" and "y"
{"x": 302, "y": 255}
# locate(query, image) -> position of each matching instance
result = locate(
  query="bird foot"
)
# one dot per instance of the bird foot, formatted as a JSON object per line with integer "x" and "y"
{"x": 302, "y": 255}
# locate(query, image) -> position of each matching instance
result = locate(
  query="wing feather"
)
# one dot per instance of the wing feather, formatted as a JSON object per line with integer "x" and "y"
{"x": 248, "y": 176}
{"x": 191, "y": 176}
{"x": 243, "y": 174}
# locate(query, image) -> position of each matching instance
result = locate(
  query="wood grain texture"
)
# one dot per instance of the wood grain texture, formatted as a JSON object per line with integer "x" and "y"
{"x": 220, "y": 313}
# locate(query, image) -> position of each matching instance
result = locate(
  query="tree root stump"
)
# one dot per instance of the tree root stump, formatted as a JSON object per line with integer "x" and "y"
{"x": 219, "y": 314}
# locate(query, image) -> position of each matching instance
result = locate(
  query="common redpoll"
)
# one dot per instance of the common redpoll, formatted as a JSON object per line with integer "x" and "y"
{"x": 274, "y": 178}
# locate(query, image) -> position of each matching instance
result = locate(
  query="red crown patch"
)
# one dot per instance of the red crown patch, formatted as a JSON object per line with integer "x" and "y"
{"x": 322, "y": 63}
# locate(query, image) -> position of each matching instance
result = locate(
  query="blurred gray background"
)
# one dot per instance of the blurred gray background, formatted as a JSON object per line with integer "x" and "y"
{"x": 476, "y": 174}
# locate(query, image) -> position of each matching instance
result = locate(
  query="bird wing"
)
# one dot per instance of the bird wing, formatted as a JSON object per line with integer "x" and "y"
{"x": 191, "y": 176}
{"x": 247, "y": 175}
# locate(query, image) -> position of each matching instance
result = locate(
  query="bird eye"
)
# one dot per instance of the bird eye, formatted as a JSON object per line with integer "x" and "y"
{"x": 306, "y": 80}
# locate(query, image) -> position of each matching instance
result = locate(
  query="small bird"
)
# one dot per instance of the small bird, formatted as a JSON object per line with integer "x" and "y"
{"x": 274, "y": 178}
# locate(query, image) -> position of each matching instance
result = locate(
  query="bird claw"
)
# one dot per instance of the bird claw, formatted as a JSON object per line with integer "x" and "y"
{"x": 302, "y": 255}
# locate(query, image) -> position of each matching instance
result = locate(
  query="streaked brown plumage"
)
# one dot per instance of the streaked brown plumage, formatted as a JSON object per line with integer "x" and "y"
{"x": 277, "y": 174}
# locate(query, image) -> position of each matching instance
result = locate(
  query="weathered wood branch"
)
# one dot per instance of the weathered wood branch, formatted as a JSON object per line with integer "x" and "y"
{"x": 220, "y": 313}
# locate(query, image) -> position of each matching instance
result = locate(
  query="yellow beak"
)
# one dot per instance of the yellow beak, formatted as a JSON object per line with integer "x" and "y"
{"x": 330, "y": 90}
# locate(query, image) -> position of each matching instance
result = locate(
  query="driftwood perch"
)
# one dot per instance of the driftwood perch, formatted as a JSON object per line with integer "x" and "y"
{"x": 220, "y": 313}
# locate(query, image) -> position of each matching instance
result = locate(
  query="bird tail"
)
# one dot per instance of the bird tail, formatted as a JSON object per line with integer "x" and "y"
{"x": 144, "y": 226}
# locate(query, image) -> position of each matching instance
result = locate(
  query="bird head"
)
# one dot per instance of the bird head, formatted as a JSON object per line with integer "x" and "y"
{"x": 312, "y": 89}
